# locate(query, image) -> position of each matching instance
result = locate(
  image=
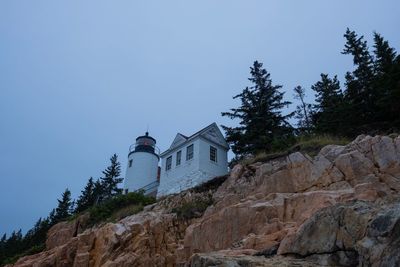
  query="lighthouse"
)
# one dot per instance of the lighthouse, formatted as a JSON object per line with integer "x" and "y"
{"x": 142, "y": 170}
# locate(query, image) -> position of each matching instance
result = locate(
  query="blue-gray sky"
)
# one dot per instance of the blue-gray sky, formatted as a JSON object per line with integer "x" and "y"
{"x": 79, "y": 80}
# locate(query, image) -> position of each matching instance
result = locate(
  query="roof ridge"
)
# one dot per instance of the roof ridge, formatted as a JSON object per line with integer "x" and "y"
{"x": 214, "y": 124}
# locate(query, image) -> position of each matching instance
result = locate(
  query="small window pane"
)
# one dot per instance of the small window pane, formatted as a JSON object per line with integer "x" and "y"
{"x": 189, "y": 152}
{"x": 168, "y": 163}
{"x": 213, "y": 154}
{"x": 178, "y": 157}
{"x": 130, "y": 163}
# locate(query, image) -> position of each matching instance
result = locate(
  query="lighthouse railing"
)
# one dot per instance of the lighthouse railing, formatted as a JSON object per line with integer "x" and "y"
{"x": 156, "y": 149}
{"x": 149, "y": 188}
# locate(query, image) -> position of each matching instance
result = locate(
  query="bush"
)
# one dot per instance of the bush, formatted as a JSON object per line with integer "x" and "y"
{"x": 125, "y": 212}
{"x": 105, "y": 210}
{"x": 192, "y": 209}
{"x": 212, "y": 184}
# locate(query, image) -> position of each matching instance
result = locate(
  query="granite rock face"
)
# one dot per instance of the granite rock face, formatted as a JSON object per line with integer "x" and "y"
{"x": 341, "y": 208}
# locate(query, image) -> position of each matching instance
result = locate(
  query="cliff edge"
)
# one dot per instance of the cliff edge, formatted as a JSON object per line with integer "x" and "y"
{"x": 340, "y": 208}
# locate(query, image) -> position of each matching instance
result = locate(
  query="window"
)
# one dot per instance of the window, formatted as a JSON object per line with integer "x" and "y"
{"x": 213, "y": 154}
{"x": 130, "y": 163}
{"x": 189, "y": 152}
{"x": 168, "y": 163}
{"x": 178, "y": 157}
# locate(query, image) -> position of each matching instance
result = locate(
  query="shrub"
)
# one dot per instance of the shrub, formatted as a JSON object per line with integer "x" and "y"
{"x": 125, "y": 212}
{"x": 212, "y": 184}
{"x": 105, "y": 210}
{"x": 192, "y": 209}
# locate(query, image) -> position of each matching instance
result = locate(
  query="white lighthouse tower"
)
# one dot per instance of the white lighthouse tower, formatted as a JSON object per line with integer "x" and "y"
{"x": 142, "y": 170}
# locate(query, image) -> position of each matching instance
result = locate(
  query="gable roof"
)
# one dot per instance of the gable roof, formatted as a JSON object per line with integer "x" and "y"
{"x": 179, "y": 139}
{"x": 211, "y": 133}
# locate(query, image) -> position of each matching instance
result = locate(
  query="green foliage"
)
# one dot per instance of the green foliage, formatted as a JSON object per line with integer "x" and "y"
{"x": 103, "y": 189}
{"x": 31, "y": 251}
{"x": 262, "y": 125}
{"x": 17, "y": 246}
{"x": 210, "y": 184}
{"x": 328, "y": 97}
{"x": 192, "y": 209}
{"x": 87, "y": 198}
{"x": 34, "y": 240}
{"x": 125, "y": 211}
{"x": 312, "y": 144}
{"x": 369, "y": 102}
{"x": 110, "y": 180}
{"x": 303, "y": 111}
{"x": 387, "y": 81}
{"x": 105, "y": 210}
{"x": 64, "y": 207}
{"x": 308, "y": 144}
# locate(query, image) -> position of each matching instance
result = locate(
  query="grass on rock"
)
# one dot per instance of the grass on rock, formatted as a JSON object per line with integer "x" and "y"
{"x": 309, "y": 145}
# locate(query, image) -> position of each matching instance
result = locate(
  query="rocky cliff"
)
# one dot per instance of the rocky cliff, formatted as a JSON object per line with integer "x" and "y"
{"x": 341, "y": 208}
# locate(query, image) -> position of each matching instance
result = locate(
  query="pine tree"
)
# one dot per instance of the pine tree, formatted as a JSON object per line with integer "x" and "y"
{"x": 360, "y": 96}
{"x": 87, "y": 198}
{"x": 98, "y": 191}
{"x": 111, "y": 179}
{"x": 262, "y": 125}
{"x": 52, "y": 216}
{"x": 328, "y": 107}
{"x": 303, "y": 111}
{"x": 3, "y": 241}
{"x": 63, "y": 209}
{"x": 385, "y": 56}
{"x": 387, "y": 82}
{"x": 13, "y": 244}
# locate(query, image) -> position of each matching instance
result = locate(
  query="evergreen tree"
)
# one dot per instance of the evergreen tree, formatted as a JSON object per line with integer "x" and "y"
{"x": 37, "y": 235}
{"x": 360, "y": 96}
{"x": 98, "y": 192}
{"x": 13, "y": 244}
{"x": 328, "y": 107}
{"x": 387, "y": 82}
{"x": 111, "y": 179}
{"x": 63, "y": 209}
{"x": 303, "y": 111}
{"x": 262, "y": 125}
{"x": 3, "y": 241}
{"x": 385, "y": 56}
{"x": 52, "y": 216}
{"x": 373, "y": 88}
{"x": 87, "y": 198}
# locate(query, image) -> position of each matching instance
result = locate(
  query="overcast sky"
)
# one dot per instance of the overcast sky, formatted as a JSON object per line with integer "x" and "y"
{"x": 79, "y": 80}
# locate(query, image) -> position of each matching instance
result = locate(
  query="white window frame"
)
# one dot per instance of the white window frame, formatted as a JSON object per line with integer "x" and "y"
{"x": 189, "y": 154}
{"x": 213, "y": 154}
{"x": 178, "y": 158}
{"x": 168, "y": 163}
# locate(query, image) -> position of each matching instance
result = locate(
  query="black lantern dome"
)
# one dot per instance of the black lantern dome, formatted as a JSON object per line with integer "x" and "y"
{"x": 144, "y": 143}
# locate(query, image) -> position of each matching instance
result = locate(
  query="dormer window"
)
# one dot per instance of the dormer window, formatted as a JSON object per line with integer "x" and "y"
{"x": 189, "y": 152}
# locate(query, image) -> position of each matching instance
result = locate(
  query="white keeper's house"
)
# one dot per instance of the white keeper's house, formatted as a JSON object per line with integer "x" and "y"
{"x": 189, "y": 161}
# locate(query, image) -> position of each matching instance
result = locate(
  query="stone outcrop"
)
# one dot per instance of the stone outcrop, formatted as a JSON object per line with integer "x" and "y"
{"x": 349, "y": 234}
{"x": 341, "y": 208}
{"x": 62, "y": 232}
